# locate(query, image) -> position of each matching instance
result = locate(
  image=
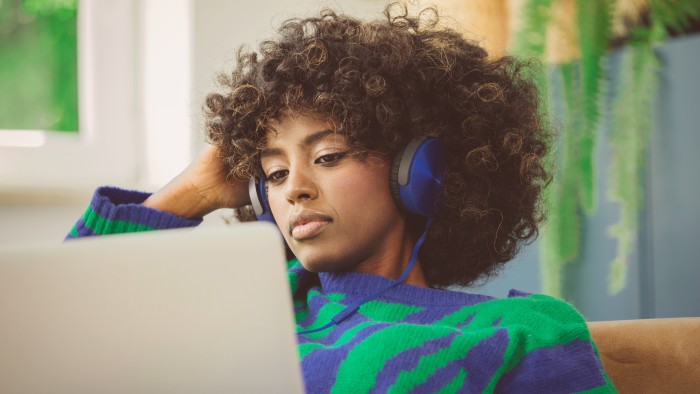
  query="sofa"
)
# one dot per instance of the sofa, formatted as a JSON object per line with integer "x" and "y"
{"x": 650, "y": 355}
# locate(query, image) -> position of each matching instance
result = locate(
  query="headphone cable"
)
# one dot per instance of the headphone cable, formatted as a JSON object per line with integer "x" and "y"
{"x": 355, "y": 306}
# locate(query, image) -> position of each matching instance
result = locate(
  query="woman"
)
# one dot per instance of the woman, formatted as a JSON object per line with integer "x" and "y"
{"x": 319, "y": 117}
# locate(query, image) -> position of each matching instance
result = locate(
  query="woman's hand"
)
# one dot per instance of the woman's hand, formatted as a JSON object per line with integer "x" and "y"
{"x": 201, "y": 188}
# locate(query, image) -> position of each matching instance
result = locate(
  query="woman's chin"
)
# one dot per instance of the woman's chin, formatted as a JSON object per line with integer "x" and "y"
{"x": 317, "y": 264}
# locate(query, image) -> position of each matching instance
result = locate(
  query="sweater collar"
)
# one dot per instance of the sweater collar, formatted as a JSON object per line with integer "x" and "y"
{"x": 359, "y": 284}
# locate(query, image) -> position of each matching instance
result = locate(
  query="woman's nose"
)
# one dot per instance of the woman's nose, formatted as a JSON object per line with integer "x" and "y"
{"x": 300, "y": 186}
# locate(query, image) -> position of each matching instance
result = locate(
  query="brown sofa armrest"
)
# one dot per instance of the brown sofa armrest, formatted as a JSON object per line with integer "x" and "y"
{"x": 650, "y": 355}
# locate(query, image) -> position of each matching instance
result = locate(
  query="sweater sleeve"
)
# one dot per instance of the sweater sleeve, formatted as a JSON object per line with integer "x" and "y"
{"x": 556, "y": 352}
{"x": 114, "y": 211}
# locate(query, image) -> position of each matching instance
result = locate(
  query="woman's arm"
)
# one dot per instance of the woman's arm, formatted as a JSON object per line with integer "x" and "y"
{"x": 201, "y": 188}
{"x": 198, "y": 190}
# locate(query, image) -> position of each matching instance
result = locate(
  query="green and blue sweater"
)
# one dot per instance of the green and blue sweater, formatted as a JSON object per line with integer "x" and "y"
{"x": 409, "y": 339}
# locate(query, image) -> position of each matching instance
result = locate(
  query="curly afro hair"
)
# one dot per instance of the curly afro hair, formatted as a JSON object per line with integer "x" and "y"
{"x": 385, "y": 82}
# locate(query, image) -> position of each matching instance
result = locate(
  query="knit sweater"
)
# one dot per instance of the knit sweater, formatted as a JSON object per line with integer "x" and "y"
{"x": 409, "y": 339}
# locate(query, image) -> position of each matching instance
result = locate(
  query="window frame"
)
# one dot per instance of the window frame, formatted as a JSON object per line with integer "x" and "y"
{"x": 107, "y": 121}
{"x": 134, "y": 100}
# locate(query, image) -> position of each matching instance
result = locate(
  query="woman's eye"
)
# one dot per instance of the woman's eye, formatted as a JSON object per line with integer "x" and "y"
{"x": 276, "y": 175}
{"x": 330, "y": 158}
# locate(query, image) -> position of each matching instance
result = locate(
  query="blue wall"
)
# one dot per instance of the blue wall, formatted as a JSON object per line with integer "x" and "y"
{"x": 664, "y": 270}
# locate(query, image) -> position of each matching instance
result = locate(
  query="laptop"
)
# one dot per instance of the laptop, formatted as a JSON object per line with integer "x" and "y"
{"x": 204, "y": 310}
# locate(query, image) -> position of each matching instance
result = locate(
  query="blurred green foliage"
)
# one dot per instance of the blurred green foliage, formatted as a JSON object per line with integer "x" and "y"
{"x": 583, "y": 84}
{"x": 38, "y": 65}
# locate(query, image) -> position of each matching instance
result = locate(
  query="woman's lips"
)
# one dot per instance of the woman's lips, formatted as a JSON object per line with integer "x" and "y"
{"x": 308, "y": 229}
{"x": 306, "y": 223}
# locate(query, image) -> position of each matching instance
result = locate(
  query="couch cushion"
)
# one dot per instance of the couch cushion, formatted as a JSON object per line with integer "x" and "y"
{"x": 650, "y": 355}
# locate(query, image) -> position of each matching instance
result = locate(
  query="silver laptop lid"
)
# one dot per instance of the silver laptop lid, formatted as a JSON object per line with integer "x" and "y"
{"x": 176, "y": 311}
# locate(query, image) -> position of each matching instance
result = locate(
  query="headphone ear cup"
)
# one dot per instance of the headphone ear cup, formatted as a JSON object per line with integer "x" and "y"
{"x": 257, "y": 190}
{"x": 417, "y": 175}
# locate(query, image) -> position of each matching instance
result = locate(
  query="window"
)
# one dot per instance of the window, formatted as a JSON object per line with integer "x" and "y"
{"x": 39, "y": 65}
{"x": 130, "y": 58}
{"x": 53, "y": 159}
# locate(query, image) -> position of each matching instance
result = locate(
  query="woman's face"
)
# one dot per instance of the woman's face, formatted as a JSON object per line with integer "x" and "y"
{"x": 334, "y": 209}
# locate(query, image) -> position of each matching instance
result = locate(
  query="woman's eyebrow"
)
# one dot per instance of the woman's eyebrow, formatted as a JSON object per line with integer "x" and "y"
{"x": 309, "y": 140}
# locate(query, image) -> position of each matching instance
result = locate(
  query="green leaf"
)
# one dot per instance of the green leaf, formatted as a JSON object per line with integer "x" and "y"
{"x": 674, "y": 14}
{"x": 594, "y": 18}
{"x": 629, "y": 141}
{"x": 530, "y": 40}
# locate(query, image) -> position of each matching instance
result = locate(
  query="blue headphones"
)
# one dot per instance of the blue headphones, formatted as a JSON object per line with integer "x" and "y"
{"x": 416, "y": 179}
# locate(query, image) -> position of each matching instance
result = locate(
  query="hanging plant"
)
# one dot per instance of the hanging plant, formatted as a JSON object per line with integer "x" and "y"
{"x": 632, "y": 123}
{"x": 588, "y": 30}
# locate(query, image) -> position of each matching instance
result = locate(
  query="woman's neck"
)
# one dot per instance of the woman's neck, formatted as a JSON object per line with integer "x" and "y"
{"x": 393, "y": 263}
